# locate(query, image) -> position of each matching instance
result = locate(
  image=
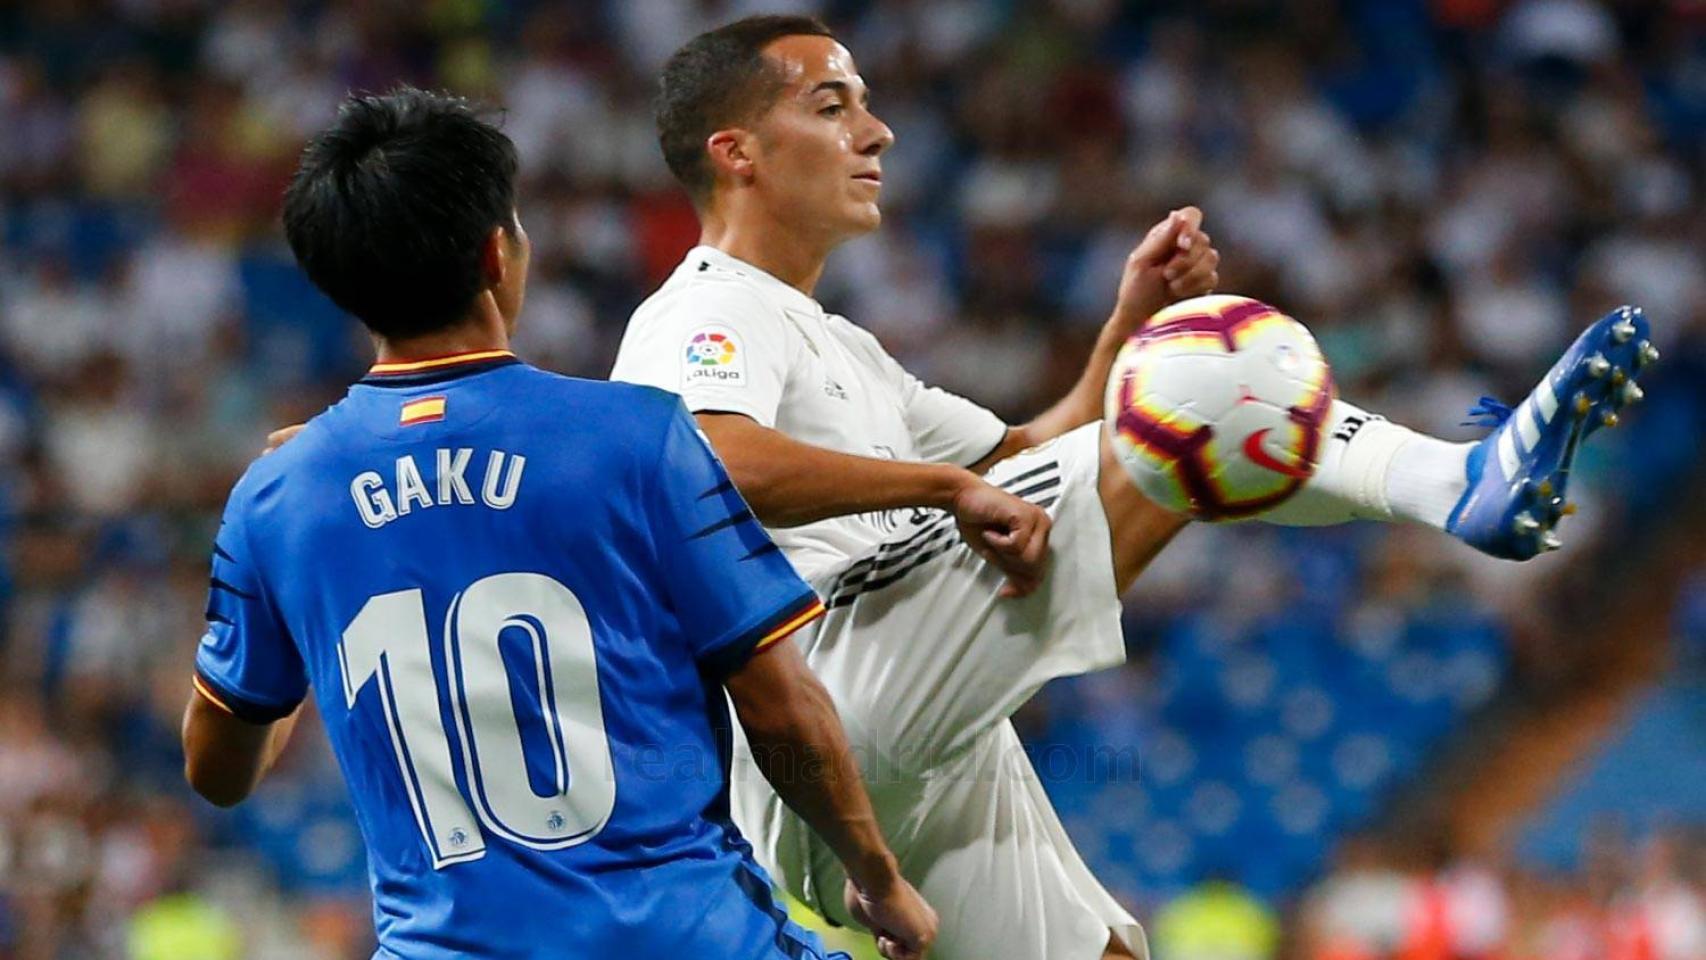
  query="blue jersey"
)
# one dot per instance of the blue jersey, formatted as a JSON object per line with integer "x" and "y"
{"x": 515, "y": 596}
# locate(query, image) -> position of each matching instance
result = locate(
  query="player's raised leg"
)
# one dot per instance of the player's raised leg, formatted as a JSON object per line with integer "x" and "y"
{"x": 1503, "y": 495}
{"x": 1138, "y": 527}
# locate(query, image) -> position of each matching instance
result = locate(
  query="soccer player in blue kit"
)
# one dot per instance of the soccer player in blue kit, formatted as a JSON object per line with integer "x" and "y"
{"x": 519, "y": 599}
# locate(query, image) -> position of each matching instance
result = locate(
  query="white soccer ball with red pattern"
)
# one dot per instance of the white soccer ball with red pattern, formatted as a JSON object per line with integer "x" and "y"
{"x": 1217, "y": 407}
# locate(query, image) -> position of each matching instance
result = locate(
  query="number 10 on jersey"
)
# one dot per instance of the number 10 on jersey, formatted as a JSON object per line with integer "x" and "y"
{"x": 388, "y": 643}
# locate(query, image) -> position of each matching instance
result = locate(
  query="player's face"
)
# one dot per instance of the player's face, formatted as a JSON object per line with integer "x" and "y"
{"x": 818, "y": 147}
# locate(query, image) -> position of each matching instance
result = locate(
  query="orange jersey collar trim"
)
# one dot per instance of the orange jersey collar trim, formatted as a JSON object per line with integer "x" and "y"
{"x": 437, "y": 363}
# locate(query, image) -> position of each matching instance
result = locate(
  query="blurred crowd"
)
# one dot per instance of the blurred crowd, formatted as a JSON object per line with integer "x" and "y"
{"x": 1626, "y": 901}
{"x": 1444, "y": 190}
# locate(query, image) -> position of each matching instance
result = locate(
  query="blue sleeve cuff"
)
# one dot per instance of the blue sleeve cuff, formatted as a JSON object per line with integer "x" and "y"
{"x": 734, "y": 654}
{"x": 237, "y": 705}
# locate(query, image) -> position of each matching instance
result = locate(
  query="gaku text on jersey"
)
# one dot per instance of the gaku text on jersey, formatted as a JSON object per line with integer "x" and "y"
{"x": 383, "y": 496}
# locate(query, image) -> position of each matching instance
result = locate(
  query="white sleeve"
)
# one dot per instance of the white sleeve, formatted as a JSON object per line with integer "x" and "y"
{"x": 947, "y": 427}
{"x": 720, "y": 347}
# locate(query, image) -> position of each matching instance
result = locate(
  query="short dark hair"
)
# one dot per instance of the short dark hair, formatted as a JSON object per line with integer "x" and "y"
{"x": 718, "y": 79}
{"x": 391, "y": 206}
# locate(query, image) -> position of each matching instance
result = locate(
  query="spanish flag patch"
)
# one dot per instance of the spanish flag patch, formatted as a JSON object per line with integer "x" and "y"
{"x": 423, "y": 410}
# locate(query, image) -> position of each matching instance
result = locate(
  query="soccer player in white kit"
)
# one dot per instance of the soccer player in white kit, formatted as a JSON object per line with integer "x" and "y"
{"x": 964, "y": 562}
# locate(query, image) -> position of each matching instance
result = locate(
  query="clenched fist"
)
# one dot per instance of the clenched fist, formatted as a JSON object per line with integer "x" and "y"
{"x": 1174, "y": 261}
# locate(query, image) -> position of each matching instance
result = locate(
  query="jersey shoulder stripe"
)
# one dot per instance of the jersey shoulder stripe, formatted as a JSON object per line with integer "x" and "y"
{"x": 790, "y": 618}
{"x": 240, "y": 707}
{"x": 812, "y": 611}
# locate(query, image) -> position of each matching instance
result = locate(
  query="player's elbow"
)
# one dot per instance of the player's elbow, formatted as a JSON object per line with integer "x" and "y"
{"x": 223, "y": 798}
{"x": 215, "y": 785}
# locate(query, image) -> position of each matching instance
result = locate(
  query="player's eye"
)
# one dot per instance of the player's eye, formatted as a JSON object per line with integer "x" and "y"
{"x": 833, "y": 110}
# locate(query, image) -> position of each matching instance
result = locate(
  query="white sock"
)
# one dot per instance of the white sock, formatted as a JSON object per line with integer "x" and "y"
{"x": 1374, "y": 469}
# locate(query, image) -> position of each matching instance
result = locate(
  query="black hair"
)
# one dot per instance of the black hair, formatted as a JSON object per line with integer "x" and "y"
{"x": 390, "y": 208}
{"x": 718, "y": 79}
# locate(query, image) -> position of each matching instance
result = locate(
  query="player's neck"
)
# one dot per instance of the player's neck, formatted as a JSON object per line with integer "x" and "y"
{"x": 478, "y": 334}
{"x": 770, "y": 246}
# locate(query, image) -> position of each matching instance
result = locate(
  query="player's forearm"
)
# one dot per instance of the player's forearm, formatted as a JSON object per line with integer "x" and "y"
{"x": 788, "y": 483}
{"x": 798, "y": 744}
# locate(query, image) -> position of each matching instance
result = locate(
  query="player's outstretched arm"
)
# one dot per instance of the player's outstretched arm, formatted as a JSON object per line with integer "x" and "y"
{"x": 224, "y": 757}
{"x": 798, "y": 744}
{"x": 1175, "y": 260}
{"x": 787, "y": 483}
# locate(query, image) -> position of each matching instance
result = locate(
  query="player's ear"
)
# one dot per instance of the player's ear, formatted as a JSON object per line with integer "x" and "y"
{"x": 496, "y": 257}
{"x": 731, "y": 154}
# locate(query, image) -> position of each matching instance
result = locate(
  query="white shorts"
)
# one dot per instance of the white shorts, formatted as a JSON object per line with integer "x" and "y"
{"x": 926, "y": 664}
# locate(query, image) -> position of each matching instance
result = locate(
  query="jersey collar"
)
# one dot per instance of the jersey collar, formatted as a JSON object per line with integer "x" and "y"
{"x": 710, "y": 258}
{"x": 436, "y": 369}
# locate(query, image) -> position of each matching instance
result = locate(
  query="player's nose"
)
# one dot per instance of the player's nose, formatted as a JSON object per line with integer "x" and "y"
{"x": 874, "y": 136}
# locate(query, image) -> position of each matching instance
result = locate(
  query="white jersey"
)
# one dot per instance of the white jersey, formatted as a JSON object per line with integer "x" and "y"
{"x": 729, "y": 337}
{"x": 952, "y": 788}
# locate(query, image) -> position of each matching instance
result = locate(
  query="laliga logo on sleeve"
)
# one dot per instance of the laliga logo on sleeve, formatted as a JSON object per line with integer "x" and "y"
{"x": 713, "y": 355}
{"x": 711, "y": 350}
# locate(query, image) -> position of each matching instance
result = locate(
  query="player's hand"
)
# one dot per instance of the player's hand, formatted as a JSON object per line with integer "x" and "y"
{"x": 281, "y": 436}
{"x": 1007, "y": 531}
{"x": 1174, "y": 261}
{"x": 904, "y": 925}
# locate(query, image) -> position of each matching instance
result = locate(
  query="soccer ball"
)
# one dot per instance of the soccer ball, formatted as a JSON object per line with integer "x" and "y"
{"x": 1218, "y": 405}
